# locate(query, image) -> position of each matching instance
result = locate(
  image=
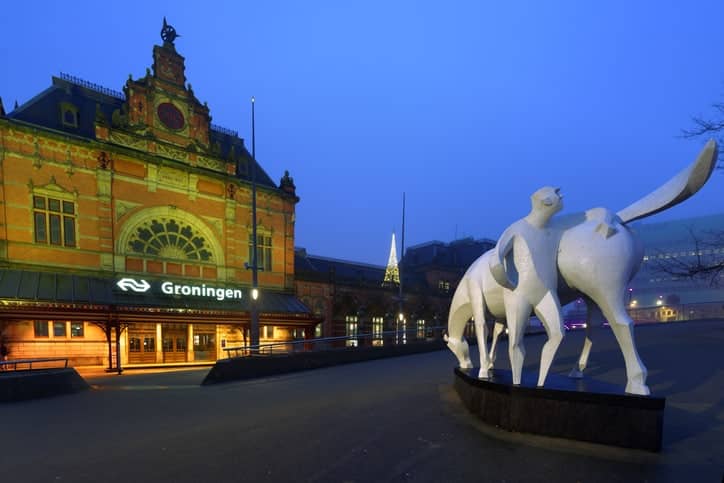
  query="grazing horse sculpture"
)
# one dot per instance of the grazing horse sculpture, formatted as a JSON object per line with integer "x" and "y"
{"x": 597, "y": 255}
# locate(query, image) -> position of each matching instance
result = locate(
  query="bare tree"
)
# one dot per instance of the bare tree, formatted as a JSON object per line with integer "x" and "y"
{"x": 705, "y": 261}
{"x": 705, "y": 127}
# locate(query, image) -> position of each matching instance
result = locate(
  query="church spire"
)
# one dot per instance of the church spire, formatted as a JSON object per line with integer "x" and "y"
{"x": 392, "y": 273}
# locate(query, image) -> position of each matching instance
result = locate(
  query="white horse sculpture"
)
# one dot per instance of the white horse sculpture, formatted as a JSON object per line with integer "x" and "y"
{"x": 597, "y": 256}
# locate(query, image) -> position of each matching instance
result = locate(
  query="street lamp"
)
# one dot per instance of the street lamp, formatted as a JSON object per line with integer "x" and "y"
{"x": 400, "y": 323}
{"x": 254, "y": 312}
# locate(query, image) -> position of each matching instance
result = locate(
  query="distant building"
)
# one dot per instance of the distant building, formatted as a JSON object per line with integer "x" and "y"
{"x": 351, "y": 297}
{"x": 125, "y": 226}
{"x": 656, "y": 295}
{"x": 440, "y": 266}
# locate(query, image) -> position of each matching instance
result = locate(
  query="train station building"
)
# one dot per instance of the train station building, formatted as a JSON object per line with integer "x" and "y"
{"x": 126, "y": 226}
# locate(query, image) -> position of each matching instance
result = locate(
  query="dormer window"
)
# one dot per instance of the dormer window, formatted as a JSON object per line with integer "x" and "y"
{"x": 68, "y": 115}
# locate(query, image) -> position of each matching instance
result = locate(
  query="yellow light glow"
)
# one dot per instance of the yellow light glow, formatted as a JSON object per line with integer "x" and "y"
{"x": 255, "y": 293}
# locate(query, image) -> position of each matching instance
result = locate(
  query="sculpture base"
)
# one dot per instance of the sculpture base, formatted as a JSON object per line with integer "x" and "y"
{"x": 583, "y": 410}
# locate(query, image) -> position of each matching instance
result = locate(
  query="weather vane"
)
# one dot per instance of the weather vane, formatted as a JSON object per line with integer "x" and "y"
{"x": 168, "y": 33}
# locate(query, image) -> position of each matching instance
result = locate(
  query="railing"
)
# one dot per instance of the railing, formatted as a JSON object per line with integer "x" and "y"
{"x": 27, "y": 364}
{"x": 349, "y": 342}
{"x": 90, "y": 85}
{"x": 224, "y": 130}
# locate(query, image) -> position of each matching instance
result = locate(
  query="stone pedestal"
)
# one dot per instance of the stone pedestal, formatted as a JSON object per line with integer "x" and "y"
{"x": 578, "y": 409}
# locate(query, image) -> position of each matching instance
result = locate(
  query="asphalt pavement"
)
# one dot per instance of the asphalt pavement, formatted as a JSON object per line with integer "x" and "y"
{"x": 388, "y": 420}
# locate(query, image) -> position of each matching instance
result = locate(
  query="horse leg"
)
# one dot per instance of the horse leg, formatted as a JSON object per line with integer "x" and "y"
{"x": 622, "y": 327}
{"x": 517, "y": 313}
{"x": 594, "y": 318}
{"x": 548, "y": 311}
{"x": 497, "y": 330}
{"x": 481, "y": 333}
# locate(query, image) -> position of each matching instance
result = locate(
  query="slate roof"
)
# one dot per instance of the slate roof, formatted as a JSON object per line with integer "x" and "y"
{"x": 331, "y": 270}
{"x": 44, "y": 110}
{"x": 340, "y": 271}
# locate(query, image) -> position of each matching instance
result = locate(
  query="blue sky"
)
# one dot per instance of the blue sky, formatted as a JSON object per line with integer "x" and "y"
{"x": 467, "y": 106}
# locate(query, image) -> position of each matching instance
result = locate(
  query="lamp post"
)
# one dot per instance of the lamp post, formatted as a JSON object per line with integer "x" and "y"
{"x": 399, "y": 270}
{"x": 254, "y": 312}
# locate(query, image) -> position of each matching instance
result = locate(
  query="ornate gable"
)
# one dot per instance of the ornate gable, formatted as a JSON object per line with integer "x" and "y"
{"x": 161, "y": 106}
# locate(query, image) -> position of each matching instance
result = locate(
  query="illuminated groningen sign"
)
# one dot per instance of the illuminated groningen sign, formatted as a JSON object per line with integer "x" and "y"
{"x": 171, "y": 288}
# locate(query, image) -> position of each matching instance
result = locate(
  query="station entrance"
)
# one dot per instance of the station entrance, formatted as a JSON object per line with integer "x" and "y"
{"x": 175, "y": 342}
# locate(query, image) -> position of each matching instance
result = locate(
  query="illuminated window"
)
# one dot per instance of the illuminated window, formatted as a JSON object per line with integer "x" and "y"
{"x": 149, "y": 344}
{"x": 377, "y": 326}
{"x": 41, "y": 328}
{"x": 181, "y": 344}
{"x": 402, "y": 327}
{"x": 54, "y": 221}
{"x": 263, "y": 251}
{"x": 167, "y": 344}
{"x": 351, "y": 330}
{"x": 268, "y": 331}
{"x": 77, "y": 329}
{"x": 134, "y": 344}
{"x": 443, "y": 286}
{"x": 168, "y": 238}
{"x": 420, "y": 329}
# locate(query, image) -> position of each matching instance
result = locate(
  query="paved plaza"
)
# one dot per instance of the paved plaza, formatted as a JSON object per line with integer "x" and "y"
{"x": 387, "y": 420}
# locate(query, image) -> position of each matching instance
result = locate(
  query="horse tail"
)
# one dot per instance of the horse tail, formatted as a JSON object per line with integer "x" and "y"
{"x": 679, "y": 188}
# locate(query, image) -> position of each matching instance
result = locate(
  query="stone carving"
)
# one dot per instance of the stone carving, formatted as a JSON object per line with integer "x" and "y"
{"x": 597, "y": 255}
{"x": 127, "y": 140}
{"x": 209, "y": 163}
{"x": 104, "y": 161}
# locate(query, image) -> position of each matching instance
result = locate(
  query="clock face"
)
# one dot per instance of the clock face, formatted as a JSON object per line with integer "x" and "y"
{"x": 170, "y": 116}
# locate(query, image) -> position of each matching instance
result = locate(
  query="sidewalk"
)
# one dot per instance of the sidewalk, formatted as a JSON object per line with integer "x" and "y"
{"x": 99, "y": 371}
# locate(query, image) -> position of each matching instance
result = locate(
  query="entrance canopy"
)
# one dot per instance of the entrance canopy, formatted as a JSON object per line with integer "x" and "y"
{"x": 61, "y": 290}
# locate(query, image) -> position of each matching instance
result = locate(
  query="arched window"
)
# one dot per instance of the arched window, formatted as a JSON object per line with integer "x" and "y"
{"x": 168, "y": 238}
{"x": 68, "y": 115}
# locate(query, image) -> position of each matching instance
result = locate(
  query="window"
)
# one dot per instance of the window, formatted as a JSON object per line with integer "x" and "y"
{"x": 54, "y": 221}
{"x": 168, "y": 344}
{"x": 401, "y": 333}
{"x": 68, "y": 115}
{"x": 421, "y": 329}
{"x": 181, "y": 344}
{"x": 443, "y": 286}
{"x": 204, "y": 342}
{"x": 134, "y": 344}
{"x": 41, "y": 328}
{"x": 263, "y": 251}
{"x": 149, "y": 344}
{"x": 168, "y": 238}
{"x": 351, "y": 330}
{"x": 58, "y": 329}
{"x": 269, "y": 331}
{"x": 377, "y": 326}
{"x": 77, "y": 329}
